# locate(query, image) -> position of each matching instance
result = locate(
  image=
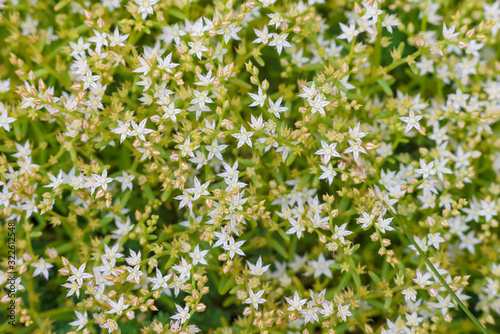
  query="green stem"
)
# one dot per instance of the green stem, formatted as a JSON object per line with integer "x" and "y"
{"x": 440, "y": 278}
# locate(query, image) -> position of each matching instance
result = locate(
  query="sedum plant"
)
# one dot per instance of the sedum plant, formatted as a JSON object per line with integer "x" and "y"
{"x": 265, "y": 166}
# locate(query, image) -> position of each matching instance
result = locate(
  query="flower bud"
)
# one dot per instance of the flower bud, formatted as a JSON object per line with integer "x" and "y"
{"x": 201, "y": 307}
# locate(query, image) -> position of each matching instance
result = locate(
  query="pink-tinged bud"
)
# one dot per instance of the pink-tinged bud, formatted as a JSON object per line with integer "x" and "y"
{"x": 462, "y": 45}
{"x": 357, "y": 9}
{"x": 325, "y": 225}
{"x": 100, "y": 23}
{"x": 433, "y": 292}
{"x": 470, "y": 33}
{"x": 371, "y": 146}
{"x": 334, "y": 213}
{"x": 100, "y": 193}
{"x": 247, "y": 311}
{"x": 135, "y": 302}
{"x": 430, "y": 221}
{"x": 41, "y": 85}
{"x": 65, "y": 261}
{"x": 88, "y": 15}
{"x": 174, "y": 157}
{"x": 296, "y": 29}
{"x": 89, "y": 23}
{"x": 31, "y": 76}
{"x": 155, "y": 118}
{"x": 265, "y": 84}
{"x": 130, "y": 315}
{"x": 201, "y": 307}
{"x": 52, "y": 252}
{"x": 143, "y": 308}
{"x": 216, "y": 21}
{"x": 5, "y": 299}
{"x": 64, "y": 271}
{"x": 419, "y": 41}
{"x": 76, "y": 86}
{"x": 386, "y": 242}
{"x": 227, "y": 124}
{"x": 184, "y": 166}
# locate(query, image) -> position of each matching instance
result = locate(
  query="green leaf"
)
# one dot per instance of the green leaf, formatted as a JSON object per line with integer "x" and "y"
{"x": 240, "y": 83}
{"x": 311, "y": 67}
{"x": 278, "y": 248}
{"x": 225, "y": 285}
{"x": 385, "y": 86}
{"x": 388, "y": 303}
{"x": 176, "y": 13}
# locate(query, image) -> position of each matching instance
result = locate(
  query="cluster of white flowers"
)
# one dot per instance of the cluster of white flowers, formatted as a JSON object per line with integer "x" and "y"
{"x": 288, "y": 156}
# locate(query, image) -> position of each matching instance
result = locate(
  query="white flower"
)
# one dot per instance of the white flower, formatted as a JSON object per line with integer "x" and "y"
{"x": 134, "y": 274}
{"x": 295, "y": 303}
{"x": 182, "y": 314}
{"x": 140, "y": 129}
{"x": 197, "y": 48}
{"x": 255, "y": 298}
{"x": 41, "y": 267}
{"x": 198, "y": 256}
{"x": 355, "y": 148}
{"x": 79, "y": 274}
{"x": 234, "y": 247}
{"x": 5, "y": 120}
{"x": 126, "y": 180}
{"x": 422, "y": 280}
{"x": 145, "y": 7}
{"x": 348, "y": 32}
{"x": 297, "y": 227}
{"x": 160, "y": 281}
{"x": 275, "y": 107}
{"x": 328, "y": 151}
{"x": 411, "y": 121}
{"x": 244, "y": 137}
{"x": 343, "y": 312}
{"x": 184, "y": 269}
{"x": 341, "y": 232}
{"x": 449, "y": 33}
{"x": 280, "y": 42}
{"x": 328, "y": 173}
{"x": 259, "y": 99}
{"x": 116, "y": 39}
{"x": 81, "y": 320}
{"x": 99, "y": 39}
{"x": 383, "y": 224}
{"x": 321, "y": 266}
{"x": 257, "y": 269}
{"x": 262, "y": 36}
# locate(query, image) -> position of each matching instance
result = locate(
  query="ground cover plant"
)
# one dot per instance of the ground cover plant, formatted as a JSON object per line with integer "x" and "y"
{"x": 271, "y": 166}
